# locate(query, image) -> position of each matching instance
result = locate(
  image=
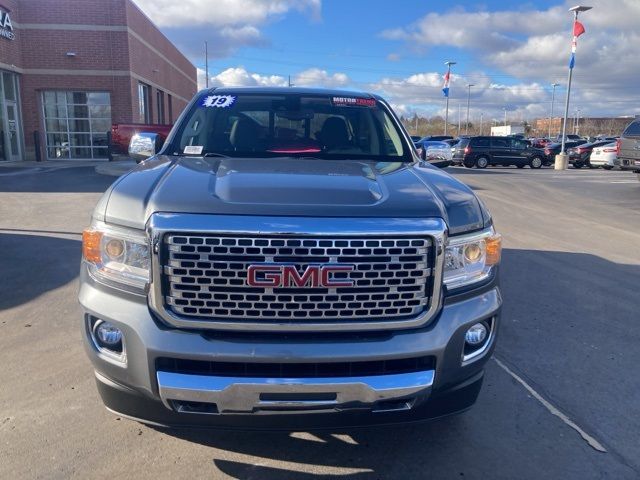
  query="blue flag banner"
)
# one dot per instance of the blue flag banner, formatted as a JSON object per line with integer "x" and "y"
{"x": 445, "y": 90}
{"x": 572, "y": 60}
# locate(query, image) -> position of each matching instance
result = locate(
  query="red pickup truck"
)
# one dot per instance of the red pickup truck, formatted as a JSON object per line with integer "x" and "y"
{"x": 121, "y": 134}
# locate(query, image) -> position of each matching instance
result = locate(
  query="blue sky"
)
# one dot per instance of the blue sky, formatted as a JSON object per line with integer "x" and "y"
{"x": 511, "y": 53}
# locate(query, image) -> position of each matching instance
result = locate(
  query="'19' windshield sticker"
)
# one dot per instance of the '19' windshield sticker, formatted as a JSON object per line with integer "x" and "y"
{"x": 353, "y": 101}
{"x": 219, "y": 101}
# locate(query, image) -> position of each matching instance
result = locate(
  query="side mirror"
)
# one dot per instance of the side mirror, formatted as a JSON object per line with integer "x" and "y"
{"x": 438, "y": 156}
{"x": 144, "y": 145}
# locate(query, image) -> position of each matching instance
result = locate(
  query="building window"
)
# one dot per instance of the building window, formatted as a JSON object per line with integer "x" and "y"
{"x": 144, "y": 101}
{"x": 76, "y": 124}
{"x": 170, "y": 106}
{"x": 160, "y": 102}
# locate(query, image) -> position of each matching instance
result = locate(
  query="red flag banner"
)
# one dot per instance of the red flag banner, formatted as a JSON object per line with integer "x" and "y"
{"x": 578, "y": 29}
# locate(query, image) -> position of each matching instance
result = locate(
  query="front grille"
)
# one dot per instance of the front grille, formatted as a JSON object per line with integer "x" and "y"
{"x": 295, "y": 370}
{"x": 206, "y": 278}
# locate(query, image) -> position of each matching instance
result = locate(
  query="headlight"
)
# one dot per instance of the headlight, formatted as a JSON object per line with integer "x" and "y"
{"x": 470, "y": 258}
{"x": 117, "y": 255}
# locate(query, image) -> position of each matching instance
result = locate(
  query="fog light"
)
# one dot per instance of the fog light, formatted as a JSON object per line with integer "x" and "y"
{"x": 108, "y": 336}
{"x": 476, "y": 334}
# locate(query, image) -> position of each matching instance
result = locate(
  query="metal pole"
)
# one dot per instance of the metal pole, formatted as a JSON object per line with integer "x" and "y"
{"x": 566, "y": 112}
{"x": 446, "y": 108}
{"x": 206, "y": 62}
{"x": 553, "y": 98}
{"x": 505, "y": 117}
{"x": 481, "y": 115}
{"x": 458, "y": 118}
{"x": 466, "y": 128}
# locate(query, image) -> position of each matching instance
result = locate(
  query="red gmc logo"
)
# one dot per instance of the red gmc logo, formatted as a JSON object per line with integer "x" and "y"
{"x": 314, "y": 276}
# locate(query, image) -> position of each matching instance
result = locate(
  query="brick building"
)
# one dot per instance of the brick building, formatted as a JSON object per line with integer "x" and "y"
{"x": 70, "y": 68}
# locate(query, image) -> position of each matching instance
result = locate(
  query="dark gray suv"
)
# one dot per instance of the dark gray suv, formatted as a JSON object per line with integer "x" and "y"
{"x": 482, "y": 152}
{"x": 287, "y": 261}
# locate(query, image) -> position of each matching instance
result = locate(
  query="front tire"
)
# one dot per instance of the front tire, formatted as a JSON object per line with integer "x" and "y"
{"x": 536, "y": 162}
{"x": 578, "y": 165}
{"x": 520, "y": 166}
{"x": 469, "y": 163}
{"x": 608, "y": 167}
{"x": 482, "y": 162}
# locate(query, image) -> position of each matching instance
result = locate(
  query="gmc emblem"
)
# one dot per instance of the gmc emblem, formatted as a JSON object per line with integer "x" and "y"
{"x": 314, "y": 276}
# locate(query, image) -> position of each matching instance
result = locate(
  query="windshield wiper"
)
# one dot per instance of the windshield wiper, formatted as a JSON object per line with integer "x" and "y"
{"x": 215, "y": 154}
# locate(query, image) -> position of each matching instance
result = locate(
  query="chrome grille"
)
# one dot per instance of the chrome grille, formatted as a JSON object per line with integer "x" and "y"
{"x": 206, "y": 278}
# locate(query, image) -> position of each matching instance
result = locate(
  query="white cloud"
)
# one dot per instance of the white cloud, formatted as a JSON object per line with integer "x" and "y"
{"x": 190, "y": 13}
{"x": 315, "y": 77}
{"x": 240, "y": 77}
{"x": 226, "y": 24}
{"x": 532, "y": 47}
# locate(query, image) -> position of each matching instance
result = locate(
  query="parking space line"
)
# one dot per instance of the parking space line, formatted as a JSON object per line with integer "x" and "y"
{"x": 593, "y": 443}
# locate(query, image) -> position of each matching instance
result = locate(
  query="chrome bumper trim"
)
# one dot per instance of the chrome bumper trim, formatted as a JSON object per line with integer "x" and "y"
{"x": 244, "y": 395}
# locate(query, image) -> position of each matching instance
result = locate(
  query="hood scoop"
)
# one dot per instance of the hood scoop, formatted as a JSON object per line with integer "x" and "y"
{"x": 299, "y": 181}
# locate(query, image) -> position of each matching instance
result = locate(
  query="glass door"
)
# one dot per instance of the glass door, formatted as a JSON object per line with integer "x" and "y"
{"x": 11, "y": 141}
{"x": 12, "y": 137}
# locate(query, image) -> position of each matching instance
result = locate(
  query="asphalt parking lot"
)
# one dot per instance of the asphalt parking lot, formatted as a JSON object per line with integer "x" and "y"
{"x": 563, "y": 386}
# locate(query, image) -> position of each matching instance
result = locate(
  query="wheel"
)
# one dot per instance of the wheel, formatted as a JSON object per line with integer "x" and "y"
{"x": 607, "y": 167}
{"x": 535, "y": 162}
{"x": 482, "y": 162}
{"x": 591, "y": 166}
{"x": 520, "y": 166}
{"x": 468, "y": 163}
{"x": 578, "y": 165}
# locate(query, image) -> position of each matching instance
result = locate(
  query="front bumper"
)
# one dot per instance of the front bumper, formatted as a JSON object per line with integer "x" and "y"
{"x": 137, "y": 389}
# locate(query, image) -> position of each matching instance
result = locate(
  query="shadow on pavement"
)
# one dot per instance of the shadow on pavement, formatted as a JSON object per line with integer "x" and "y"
{"x": 33, "y": 265}
{"x": 69, "y": 180}
{"x": 484, "y": 171}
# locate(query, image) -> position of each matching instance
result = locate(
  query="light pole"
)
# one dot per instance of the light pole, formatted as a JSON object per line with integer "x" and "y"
{"x": 446, "y": 94}
{"x": 505, "y": 115}
{"x": 553, "y": 98}
{"x": 578, "y": 29}
{"x": 458, "y": 119}
{"x": 466, "y": 128}
{"x": 481, "y": 115}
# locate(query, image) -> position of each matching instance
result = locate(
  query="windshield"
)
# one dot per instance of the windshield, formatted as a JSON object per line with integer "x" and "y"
{"x": 258, "y": 125}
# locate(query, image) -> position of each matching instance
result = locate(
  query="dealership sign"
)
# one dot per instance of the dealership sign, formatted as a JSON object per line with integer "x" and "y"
{"x": 6, "y": 27}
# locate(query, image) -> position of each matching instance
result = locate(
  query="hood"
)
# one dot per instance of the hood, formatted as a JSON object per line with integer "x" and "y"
{"x": 291, "y": 187}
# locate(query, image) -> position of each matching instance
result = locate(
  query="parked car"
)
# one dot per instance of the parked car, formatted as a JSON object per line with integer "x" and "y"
{"x": 415, "y": 138}
{"x": 437, "y": 153}
{"x": 569, "y": 136}
{"x": 452, "y": 142}
{"x": 629, "y": 147}
{"x": 553, "y": 149}
{"x": 253, "y": 276}
{"x": 540, "y": 142}
{"x": 439, "y": 138}
{"x": 484, "y": 151}
{"x": 122, "y": 133}
{"x": 605, "y": 156}
{"x": 579, "y": 155}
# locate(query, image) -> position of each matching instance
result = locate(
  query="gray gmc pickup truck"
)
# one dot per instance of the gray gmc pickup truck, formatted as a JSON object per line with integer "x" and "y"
{"x": 285, "y": 260}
